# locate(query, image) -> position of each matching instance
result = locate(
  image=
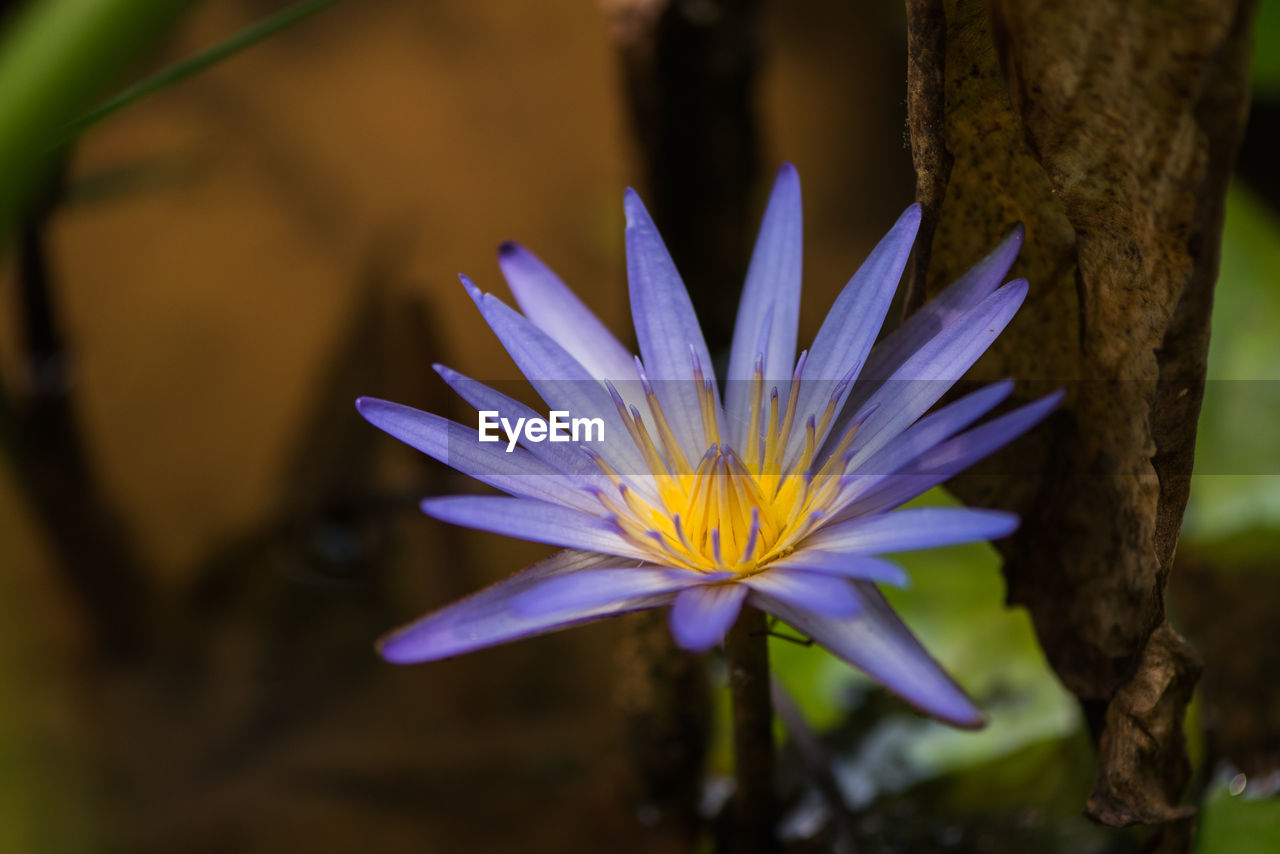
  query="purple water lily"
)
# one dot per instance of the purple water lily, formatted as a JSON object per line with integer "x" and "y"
{"x": 777, "y": 494}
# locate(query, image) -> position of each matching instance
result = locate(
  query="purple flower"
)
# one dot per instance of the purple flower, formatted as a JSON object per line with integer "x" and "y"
{"x": 776, "y": 494}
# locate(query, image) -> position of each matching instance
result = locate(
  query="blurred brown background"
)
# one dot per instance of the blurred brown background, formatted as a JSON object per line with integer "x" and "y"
{"x": 237, "y": 259}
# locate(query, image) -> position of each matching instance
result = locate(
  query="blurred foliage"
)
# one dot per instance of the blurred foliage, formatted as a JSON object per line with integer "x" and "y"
{"x": 1233, "y": 515}
{"x": 55, "y": 60}
{"x": 57, "y": 57}
{"x": 1237, "y": 487}
{"x": 46, "y": 784}
{"x": 1266, "y": 59}
{"x": 1238, "y": 824}
{"x": 251, "y": 35}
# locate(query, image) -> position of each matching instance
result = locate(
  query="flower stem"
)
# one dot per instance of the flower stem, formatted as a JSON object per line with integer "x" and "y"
{"x": 747, "y": 647}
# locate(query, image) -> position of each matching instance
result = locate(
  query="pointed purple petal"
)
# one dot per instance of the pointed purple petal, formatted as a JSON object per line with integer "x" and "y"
{"x": 877, "y": 642}
{"x": 526, "y": 519}
{"x": 565, "y": 457}
{"x": 557, "y": 311}
{"x": 936, "y": 427}
{"x": 848, "y": 564}
{"x": 485, "y": 618}
{"x": 559, "y": 379}
{"x": 944, "y": 461}
{"x": 933, "y": 369}
{"x": 945, "y": 308}
{"x": 850, "y": 328}
{"x": 702, "y": 615}
{"x": 568, "y": 595}
{"x": 666, "y": 327}
{"x": 771, "y": 295}
{"x": 909, "y": 530}
{"x": 517, "y": 472}
{"x": 811, "y": 591}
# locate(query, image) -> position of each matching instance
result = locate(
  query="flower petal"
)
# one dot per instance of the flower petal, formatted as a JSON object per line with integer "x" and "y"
{"x": 666, "y": 328}
{"x": 702, "y": 615}
{"x": 570, "y": 594}
{"x": 770, "y": 298}
{"x": 565, "y": 457}
{"x": 526, "y": 519}
{"x": 817, "y": 592}
{"x": 948, "y": 459}
{"x": 933, "y": 369}
{"x": 934, "y": 428}
{"x": 486, "y": 618}
{"x": 516, "y": 472}
{"x": 909, "y": 530}
{"x": 944, "y": 309}
{"x": 557, "y": 311}
{"x": 559, "y": 379}
{"x": 850, "y": 328}
{"x": 877, "y": 642}
{"x": 847, "y": 564}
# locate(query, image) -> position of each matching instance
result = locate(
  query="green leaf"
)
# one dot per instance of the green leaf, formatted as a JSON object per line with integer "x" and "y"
{"x": 1266, "y": 59}
{"x": 1238, "y": 824}
{"x": 55, "y": 57}
{"x": 1237, "y": 482}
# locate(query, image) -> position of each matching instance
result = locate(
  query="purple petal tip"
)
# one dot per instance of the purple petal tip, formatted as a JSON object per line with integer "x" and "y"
{"x": 1015, "y": 291}
{"x": 787, "y": 184}
{"x": 391, "y": 652}
{"x": 788, "y": 178}
{"x": 633, "y": 208}
{"x": 364, "y": 405}
{"x": 976, "y": 722}
{"x": 474, "y": 292}
{"x": 376, "y": 411}
{"x": 397, "y": 647}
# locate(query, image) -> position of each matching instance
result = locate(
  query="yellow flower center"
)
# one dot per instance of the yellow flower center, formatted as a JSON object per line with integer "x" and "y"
{"x": 729, "y": 511}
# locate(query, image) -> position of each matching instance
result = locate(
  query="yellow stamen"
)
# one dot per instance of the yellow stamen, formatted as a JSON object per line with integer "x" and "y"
{"x": 753, "y": 423}
{"x": 731, "y": 511}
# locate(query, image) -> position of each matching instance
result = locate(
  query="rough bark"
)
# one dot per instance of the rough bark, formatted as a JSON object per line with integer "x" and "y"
{"x": 1109, "y": 129}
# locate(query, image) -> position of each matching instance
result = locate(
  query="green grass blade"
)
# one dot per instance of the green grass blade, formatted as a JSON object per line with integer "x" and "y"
{"x": 247, "y": 37}
{"x": 55, "y": 58}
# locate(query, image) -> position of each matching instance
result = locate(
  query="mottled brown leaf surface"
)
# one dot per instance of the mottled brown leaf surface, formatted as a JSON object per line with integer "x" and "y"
{"x": 1109, "y": 130}
{"x": 1141, "y": 752}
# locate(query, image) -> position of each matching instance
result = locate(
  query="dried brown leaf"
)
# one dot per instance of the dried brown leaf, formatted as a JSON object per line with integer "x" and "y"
{"x": 1109, "y": 130}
